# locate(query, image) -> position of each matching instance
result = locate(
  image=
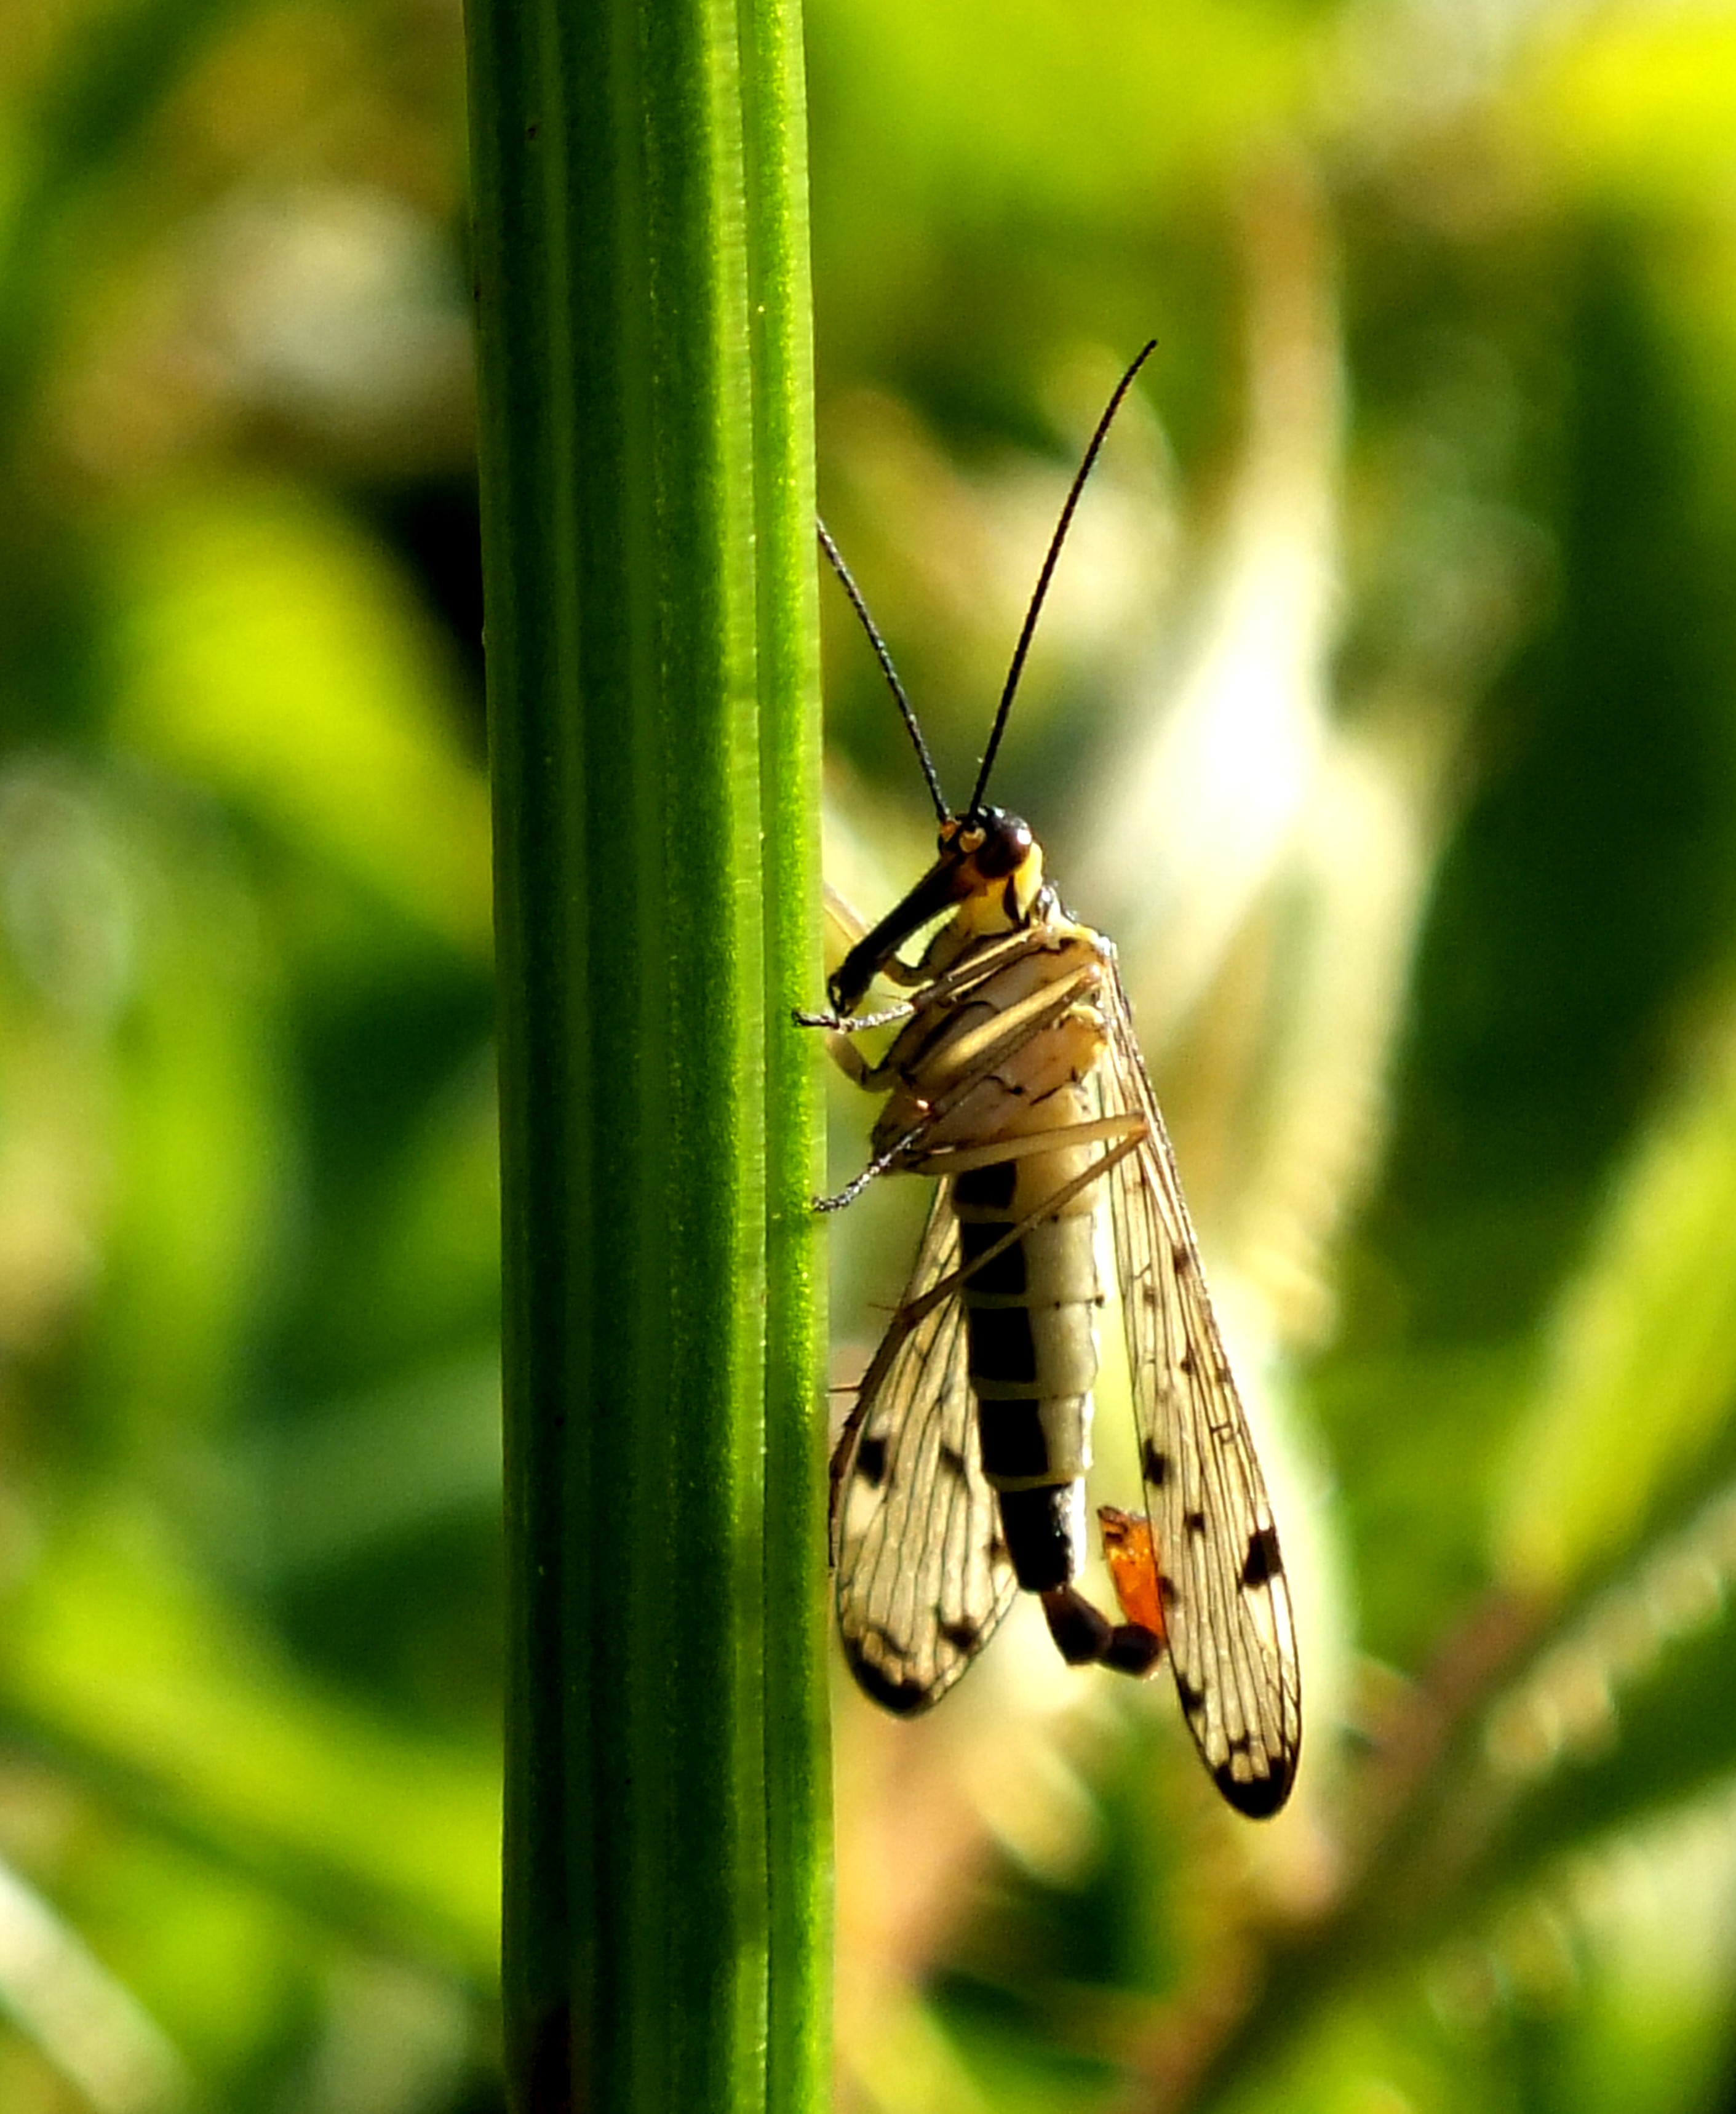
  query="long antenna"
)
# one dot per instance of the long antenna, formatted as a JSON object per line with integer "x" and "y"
{"x": 891, "y": 674}
{"x": 1056, "y": 541}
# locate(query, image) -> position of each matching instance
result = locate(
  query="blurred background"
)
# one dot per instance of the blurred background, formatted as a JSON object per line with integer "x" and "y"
{"x": 1384, "y": 711}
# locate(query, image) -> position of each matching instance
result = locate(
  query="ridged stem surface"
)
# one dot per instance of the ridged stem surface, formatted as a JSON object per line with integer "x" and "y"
{"x": 641, "y": 257}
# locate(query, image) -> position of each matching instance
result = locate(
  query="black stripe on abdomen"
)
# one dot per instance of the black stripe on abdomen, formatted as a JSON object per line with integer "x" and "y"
{"x": 1004, "y": 1276}
{"x": 988, "y": 1188}
{"x": 1002, "y": 1349}
{"x": 1042, "y": 1530}
{"x": 1015, "y": 1445}
{"x": 1028, "y": 1317}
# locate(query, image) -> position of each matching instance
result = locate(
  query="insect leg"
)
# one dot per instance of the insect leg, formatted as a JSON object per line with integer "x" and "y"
{"x": 946, "y": 988}
{"x": 1100, "y": 1130}
{"x": 1002, "y": 1039}
{"x": 855, "y": 1068}
{"x": 985, "y": 961}
{"x": 881, "y": 1164}
{"x": 977, "y": 1051}
{"x": 846, "y": 926}
{"x": 853, "y": 1023}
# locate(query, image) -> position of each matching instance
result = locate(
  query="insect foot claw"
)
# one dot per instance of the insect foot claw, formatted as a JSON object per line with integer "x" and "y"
{"x": 852, "y": 1190}
{"x": 1081, "y": 1634}
{"x": 839, "y": 1022}
{"x": 847, "y": 1194}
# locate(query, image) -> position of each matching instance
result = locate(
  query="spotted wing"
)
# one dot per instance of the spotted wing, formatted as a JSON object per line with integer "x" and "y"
{"x": 923, "y": 1575}
{"x": 1227, "y": 1615}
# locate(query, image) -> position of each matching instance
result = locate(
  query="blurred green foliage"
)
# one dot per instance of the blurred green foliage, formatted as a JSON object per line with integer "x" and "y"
{"x": 1386, "y": 713}
{"x": 248, "y": 1232}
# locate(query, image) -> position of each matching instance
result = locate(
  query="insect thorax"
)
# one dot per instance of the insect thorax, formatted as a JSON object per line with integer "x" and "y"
{"x": 1016, "y": 1054}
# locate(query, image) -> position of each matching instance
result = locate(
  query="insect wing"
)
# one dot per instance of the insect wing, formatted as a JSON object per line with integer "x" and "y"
{"x": 923, "y": 1575}
{"x": 1227, "y": 1609}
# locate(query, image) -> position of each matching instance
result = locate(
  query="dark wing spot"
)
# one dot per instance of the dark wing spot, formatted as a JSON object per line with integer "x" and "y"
{"x": 1257, "y": 1796}
{"x": 1264, "y": 1563}
{"x": 1155, "y": 1465}
{"x": 1186, "y": 1363}
{"x": 1168, "y": 1591}
{"x": 870, "y": 1460}
{"x": 963, "y": 1637}
{"x": 1193, "y": 1700}
{"x": 1181, "y": 1258}
{"x": 953, "y": 1462}
{"x": 904, "y": 1698}
{"x": 1194, "y": 1522}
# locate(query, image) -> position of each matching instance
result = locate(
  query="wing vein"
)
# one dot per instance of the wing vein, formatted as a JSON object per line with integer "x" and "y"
{"x": 922, "y": 1580}
{"x": 1230, "y": 1625}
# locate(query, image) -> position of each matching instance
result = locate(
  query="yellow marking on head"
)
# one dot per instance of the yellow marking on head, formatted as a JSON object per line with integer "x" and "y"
{"x": 999, "y": 902}
{"x": 996, "y": 870}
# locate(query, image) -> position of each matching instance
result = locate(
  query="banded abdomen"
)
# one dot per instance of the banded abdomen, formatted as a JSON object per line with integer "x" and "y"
{"x": 1010, "y": 1068}
{"x": 1031, "y": 1315}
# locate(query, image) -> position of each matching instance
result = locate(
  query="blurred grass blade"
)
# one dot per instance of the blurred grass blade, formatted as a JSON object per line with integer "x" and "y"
{"x": 1641, "y": 1363}
{"x": 647, "y": 516}
{"x": 87, "y": 2025}
{"x": 1631, "y": 1709}
{"x": 130, "y": 1673}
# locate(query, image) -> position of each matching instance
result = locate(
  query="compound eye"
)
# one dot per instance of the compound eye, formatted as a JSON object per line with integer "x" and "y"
{"x": 1004, "y": 849}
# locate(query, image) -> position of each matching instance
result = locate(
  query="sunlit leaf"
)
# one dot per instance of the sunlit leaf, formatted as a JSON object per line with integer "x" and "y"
{"x": 1641, "y": 1364}
{"x": 266, "y": 647}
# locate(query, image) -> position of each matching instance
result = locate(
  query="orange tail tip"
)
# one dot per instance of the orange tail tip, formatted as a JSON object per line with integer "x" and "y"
{"x": 1130, "y": 1550}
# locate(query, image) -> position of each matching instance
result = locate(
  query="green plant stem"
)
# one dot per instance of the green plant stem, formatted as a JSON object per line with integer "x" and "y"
{"x": 641, "y": 260}
{"x": 798, "y": 1725}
